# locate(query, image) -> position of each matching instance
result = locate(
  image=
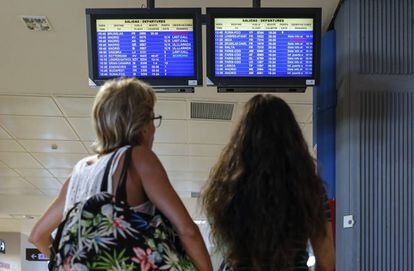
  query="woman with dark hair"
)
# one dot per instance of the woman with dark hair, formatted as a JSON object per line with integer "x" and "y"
{"x": 264, "y": 199}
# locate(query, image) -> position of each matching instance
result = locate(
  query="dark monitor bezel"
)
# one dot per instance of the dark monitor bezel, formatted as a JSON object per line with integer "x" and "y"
{"x": 241, "y": 81}
{"x": 157, "y": 13}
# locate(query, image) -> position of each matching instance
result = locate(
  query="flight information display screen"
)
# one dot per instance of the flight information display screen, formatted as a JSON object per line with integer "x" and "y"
{"x": 145, "y": 47}
{"x": 263, "y": 47}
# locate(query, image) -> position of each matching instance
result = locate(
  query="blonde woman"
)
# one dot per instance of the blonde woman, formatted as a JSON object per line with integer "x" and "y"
{"x": 123, "y": 116}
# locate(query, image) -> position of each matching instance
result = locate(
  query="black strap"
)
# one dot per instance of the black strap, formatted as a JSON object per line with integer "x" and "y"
{"x": 104, "y": 183}
{"x": 121, "y": 195}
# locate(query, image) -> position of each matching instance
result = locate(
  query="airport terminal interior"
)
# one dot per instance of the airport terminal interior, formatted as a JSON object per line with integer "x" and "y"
{"x": 345, "y": 67}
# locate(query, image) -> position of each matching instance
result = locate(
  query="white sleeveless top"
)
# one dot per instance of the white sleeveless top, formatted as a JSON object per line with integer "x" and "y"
{"x": 86, "y": 181}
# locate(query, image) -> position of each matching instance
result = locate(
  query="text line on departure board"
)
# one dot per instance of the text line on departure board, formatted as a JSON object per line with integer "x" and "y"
{"x": 263, "y": 47}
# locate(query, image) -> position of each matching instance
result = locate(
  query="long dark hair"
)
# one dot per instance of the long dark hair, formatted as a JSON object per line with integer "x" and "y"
{"x": 264, "y": 199}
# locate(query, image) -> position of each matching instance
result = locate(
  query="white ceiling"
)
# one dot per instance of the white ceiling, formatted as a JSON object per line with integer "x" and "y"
{"x": 185, "y": 147}
{"x": 45, "y": 100}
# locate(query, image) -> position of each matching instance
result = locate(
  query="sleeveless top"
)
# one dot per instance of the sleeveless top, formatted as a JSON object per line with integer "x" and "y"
{"x": 86, "y": 181}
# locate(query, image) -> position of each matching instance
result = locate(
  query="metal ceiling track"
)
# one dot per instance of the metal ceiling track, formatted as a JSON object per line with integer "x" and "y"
{"x": 255, "y": 4}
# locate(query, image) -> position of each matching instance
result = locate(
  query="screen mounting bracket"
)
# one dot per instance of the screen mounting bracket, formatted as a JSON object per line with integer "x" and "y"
{"x": 255, "y": 4}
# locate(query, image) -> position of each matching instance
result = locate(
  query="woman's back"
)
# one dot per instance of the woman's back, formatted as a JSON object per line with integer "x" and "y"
{"x": 86, "y": 181}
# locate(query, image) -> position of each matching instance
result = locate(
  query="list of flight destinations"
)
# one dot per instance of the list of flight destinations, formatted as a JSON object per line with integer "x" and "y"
{"x": 263, "y": 47}
{"x": 145, "y": 47}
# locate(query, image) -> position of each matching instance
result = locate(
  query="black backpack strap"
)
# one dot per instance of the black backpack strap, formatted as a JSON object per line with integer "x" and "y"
{"x": 121, "y": 194}
{"x": 104, "y": 183}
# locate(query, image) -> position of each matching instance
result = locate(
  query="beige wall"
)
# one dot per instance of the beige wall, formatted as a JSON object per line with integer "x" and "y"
{"x": 15, "y": 257}
{"x": 11, "y": 260}
{"x": 26, "y": 265}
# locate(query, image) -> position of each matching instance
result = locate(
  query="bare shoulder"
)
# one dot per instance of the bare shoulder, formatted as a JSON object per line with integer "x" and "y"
{"x": 143, "y": 155}
{"x": 142, "y": 151}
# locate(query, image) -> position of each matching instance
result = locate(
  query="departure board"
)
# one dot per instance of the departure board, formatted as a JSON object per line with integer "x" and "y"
{"x": 263, "y": 47}
{"x": 145, "y": 47}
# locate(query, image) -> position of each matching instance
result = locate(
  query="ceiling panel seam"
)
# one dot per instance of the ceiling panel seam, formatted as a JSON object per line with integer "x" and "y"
{"x": 27, "y": 151}
{"x": 66, "y": 117}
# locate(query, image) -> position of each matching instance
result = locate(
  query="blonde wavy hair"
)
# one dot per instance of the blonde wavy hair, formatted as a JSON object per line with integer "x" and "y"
{"x": 122, "y": 109}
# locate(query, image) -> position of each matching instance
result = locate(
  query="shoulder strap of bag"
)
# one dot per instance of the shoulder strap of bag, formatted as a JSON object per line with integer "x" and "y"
{"x": 104, "y": 183}
{"x": 121, "y": 195}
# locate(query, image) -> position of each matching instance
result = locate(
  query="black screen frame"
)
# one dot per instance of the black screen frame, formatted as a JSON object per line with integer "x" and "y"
{"x": 263, "y": 81}
{"x": 157, "y": 13}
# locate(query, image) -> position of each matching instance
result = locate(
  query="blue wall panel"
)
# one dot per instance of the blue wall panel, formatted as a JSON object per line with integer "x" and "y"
{"x": 325, "y": 113}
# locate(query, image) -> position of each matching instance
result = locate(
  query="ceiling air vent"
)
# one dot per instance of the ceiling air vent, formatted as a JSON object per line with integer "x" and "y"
{"x": 37, "y": 23}
{"x": 211, "y": 111}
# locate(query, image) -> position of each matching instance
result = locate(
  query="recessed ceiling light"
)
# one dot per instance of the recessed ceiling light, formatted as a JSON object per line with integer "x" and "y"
{"x": 311, "y": 261}
{"x": 200, "y": 222}
{"x": 19, "y": 216}
{"x": 37, "y": 23}
{"x": 195, "y": 194}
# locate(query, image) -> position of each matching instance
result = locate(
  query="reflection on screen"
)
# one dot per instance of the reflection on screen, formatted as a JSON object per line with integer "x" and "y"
{"x": 145, "y": 47}
{"x": 278, "y": 47}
